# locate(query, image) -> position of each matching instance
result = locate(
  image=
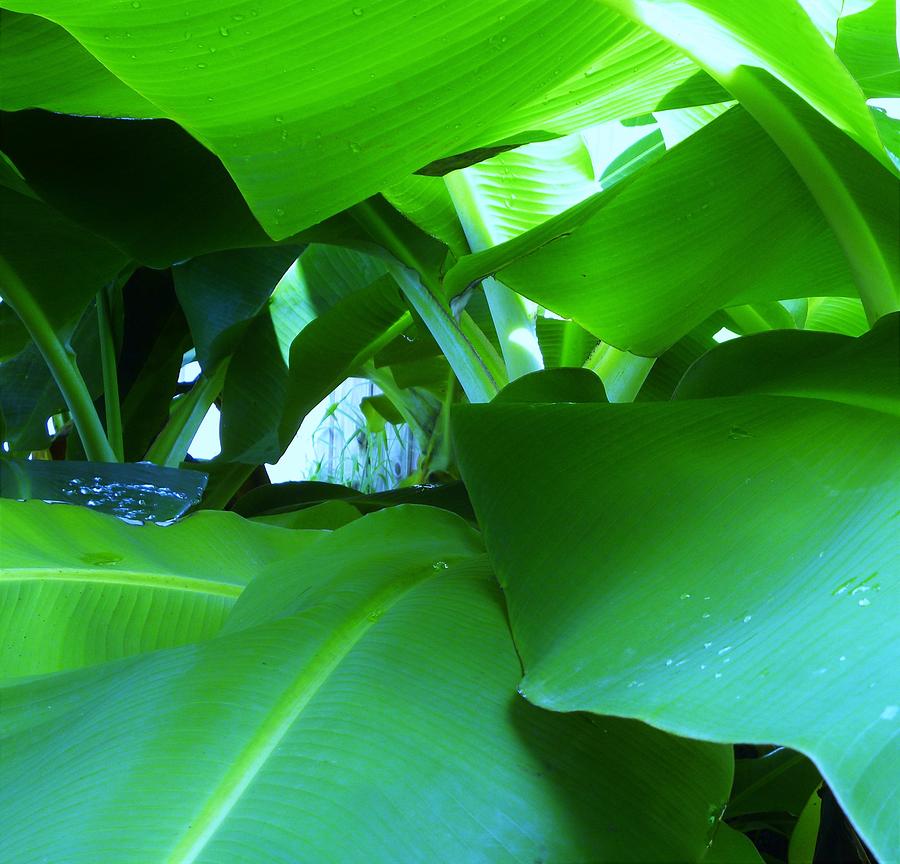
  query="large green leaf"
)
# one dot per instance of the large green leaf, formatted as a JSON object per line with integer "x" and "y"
{"x": 836, "y": 315}
{"x": 42, "y": 66}
{"x": 722, "y": 568}
{"x": 369, "y": 681}
{"x": 314, "y": 108}
{"x": 223, "y": 292}
{"x": 867, "y": 46}
{"x": 79, "y": 588}
{"x": 729, "y": 222}
{"x": 776, "y": 36}
{"x": 861, "y": 371}
{"x": 154, "y": 342}
{"x": 181, "y": 203}
{"x": 28, "y": 393}
{"x": 140, "y": 492}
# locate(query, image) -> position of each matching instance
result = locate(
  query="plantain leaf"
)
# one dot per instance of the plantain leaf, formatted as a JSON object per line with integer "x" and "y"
{"x": 731, "y": 847}
{"x": 78, "y": 588}
{"x": 47, "y": 250}
{"x": 861, "y": 371}
{"x": 867, "y": 46}
{"x": 140, "y": 492}
{"x": 344, "y": 120}
{"x": 369, "y": 678}
{"x": 722, "y": 568}
{"x": 181, "y": 203}
{"x": 554, "y": 385}
{"x": 772, "y": 36}
{"x": 42, "y": 66}
{"x": 328, "y": 315}
{"x": 29, "y": 394}
{"x": 716, "y": 242}
{"x": 223, "y": 292}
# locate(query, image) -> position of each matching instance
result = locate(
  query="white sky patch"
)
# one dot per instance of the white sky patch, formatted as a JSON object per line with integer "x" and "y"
{"x": 189, "y": 372}
{"x": 724, "y": 335}
{"x": 206, "y": 443}
{"x": 890, "y": 105}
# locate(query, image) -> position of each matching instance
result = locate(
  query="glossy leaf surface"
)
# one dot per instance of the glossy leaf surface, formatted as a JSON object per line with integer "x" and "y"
{"x": 79, "y": 588}
{"x": 714, "y": 238}
{"x": 724, "y": 568}
{"x": 141, "y": 492}
{"x": 371, "y": 674}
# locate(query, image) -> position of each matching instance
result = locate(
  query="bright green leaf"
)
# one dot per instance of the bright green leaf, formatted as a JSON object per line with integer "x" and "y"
{"x": 371, "y": 674}
{"x": 722, "y": 568}
{"x": 728, "y": 221}
{"x": 42, "y": 66}
{"x": 79, "y": 588}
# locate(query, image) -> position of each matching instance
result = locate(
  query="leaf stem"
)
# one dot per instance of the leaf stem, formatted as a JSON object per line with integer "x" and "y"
{"x": 826, "y": 162}
{"x": 622, "y": 374}
{"x": 110, "y": 374}
{"x": 512, "y": 314}
{"x": 423, "y": 292}
{"x": 171, "y": 445}
{"x": 61, "y": 362}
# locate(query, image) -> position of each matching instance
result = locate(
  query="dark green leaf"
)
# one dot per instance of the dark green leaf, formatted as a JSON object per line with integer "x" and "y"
{"x": 138, "y": 491}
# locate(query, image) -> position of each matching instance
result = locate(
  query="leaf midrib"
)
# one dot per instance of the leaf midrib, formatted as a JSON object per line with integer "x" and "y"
{"x": 285, "y": 711}
{"x": 135, "y": 578}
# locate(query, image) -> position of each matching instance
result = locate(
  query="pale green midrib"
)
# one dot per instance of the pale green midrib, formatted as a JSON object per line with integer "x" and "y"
{"x": 136, "y": 578}
{"x": 284, "y": 713}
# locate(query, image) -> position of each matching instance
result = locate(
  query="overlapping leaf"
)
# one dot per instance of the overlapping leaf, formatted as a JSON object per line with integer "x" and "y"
{"x": 42, "y": 66}
{"x": 79, "y": 588}
{"x": 372, "y": 679}
{"x": 329, "y": 314}
{"x": 720, "y": 232}
{"x": 723, "y": 567}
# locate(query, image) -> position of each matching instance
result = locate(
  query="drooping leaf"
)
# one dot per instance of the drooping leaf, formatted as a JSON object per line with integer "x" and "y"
{"x": 554, "y": 385}
{"x": 332, "y": 310}
{"x": 367, "y": 679}
{"x": 79, "y": 588}
{"x": 289, "y": 147}
{"x": 715, "y": 242}
{"x": 46, "y": 250}
{"x": 862, "y": 371}
{"x": 141, "y": 491}
{"x": 723, "y": 568}
{"x": 28, "y": 393}
{"x": 336, "y": 344}
{"x": 179, "y": 204}
{"x": 42, "y": 66}
{"x": 223, "y": 292}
